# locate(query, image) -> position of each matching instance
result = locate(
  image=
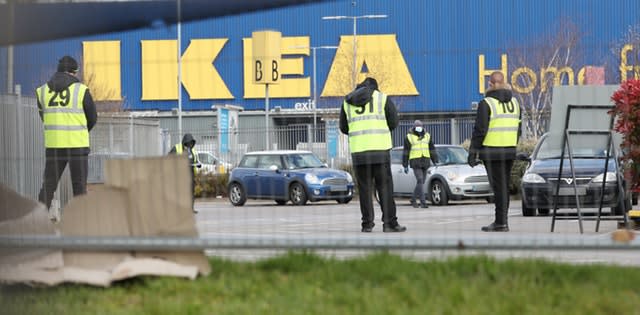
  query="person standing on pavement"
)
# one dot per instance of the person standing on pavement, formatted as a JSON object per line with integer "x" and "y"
{"x": 187, "y": 146}
{"x": 68, "y": 114}
{"x": 368, "y": 116}
{"x": 418, "y": 152}
{"x": 494, "y": 140}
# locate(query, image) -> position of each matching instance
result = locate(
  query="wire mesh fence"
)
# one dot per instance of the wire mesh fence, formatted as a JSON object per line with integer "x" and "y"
{"x": 263, "y": 224}
{"x": 142, "y": 199}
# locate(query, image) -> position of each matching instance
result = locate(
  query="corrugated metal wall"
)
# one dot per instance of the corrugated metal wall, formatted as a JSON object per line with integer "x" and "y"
{"x": 439, "y": 40}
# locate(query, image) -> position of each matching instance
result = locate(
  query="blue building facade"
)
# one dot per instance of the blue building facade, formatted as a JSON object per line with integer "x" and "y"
{"x": 431, "y": 56}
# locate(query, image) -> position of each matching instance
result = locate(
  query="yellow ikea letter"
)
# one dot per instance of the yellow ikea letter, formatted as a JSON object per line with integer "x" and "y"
{"x": 199, "y": 76}
{"x": 382, "y": 56}
{"x": 101, "y": 64}
{"x": 482, "y": 72}
{"x": 159, "y": 70}
{"x": 287, "y": 87}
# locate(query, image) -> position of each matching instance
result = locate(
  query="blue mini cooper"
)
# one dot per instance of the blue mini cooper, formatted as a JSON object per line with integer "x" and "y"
{"x": 296, "y": 176}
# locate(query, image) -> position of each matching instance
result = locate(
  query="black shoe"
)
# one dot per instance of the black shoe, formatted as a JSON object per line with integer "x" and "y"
{"x": 415, "y": 205}
{"x": 396, "y": 228}
{"x": 367, "y": 227}
{"x": 424, "y": 205}
{"x": 493, "y": 227}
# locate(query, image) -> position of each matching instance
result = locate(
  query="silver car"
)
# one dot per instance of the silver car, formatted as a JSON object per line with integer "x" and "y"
{"x": 451, "y": 179}
{"x": 211, "y": 164}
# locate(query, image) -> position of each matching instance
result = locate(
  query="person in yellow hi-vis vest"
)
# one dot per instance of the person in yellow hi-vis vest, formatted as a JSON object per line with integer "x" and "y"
{"x": 187, "y": 147}
{"x": 68, "y": 113}
{"x": 494, "y": 140}
{"x": 368, "y": 116}
{"x": 417, "y": 153}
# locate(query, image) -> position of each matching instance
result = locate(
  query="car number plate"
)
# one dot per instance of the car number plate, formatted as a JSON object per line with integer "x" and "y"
{"x": 338, "y": 188}
{"x": 480, "y": 188}
{"x": 569, "y": 191}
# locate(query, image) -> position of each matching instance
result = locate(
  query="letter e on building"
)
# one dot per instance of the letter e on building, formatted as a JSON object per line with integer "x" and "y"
{"x": 266, "y": 57}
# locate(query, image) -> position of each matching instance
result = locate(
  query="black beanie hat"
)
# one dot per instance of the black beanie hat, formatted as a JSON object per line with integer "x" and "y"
{"x": 67, "y": 64}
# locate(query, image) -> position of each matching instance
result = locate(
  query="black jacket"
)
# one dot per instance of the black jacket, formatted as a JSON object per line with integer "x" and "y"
{"x": 482, "y": 125}
{"x": 421, "y": 162}
{"x": 360, "y": 97}
{"x": 188, "y": 143}
{"x": 59, "y": 82}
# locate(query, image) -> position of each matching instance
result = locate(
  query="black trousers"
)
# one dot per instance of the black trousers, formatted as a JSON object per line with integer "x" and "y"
{"x": 418, "y": 191}
{"x": 499, "y": 172}
{"x": 368, "y": 175}
{"x": 56, "y": 161}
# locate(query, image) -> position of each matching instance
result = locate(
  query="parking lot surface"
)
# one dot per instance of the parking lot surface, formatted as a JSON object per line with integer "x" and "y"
{"x": 217, "y": 218}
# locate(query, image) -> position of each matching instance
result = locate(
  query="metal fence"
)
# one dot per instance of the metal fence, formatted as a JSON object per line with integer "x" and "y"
{"x": 126, "y": 135}
{"x": 22, "y": 151}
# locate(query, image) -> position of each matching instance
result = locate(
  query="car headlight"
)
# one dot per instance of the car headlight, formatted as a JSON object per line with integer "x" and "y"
{"x": 611, "y": 177}
{"x": 349, "y": 178}
{"x": 532, "y": 178}
{"x": 311, "y": 178}
{"x": 452, "y": 176}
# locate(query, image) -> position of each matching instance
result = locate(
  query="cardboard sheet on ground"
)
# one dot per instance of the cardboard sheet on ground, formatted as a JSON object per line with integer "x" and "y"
{"x": 141, "y": 197}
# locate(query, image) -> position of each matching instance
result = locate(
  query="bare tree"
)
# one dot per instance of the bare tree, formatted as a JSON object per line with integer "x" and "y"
{"x": 627, "y": 54}
{"x": 553, "y": 57}
{"x": 103, "y": 104}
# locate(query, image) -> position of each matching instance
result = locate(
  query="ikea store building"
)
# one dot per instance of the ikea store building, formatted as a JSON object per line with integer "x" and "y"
{"x": 433, "y": 57}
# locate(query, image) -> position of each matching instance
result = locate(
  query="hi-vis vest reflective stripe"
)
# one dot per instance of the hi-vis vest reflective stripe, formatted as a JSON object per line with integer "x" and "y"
{"x": 503, "y": 123}
{"x": 65, "y": 125}
{"x": 419, "y": 147}
{"x": 368, "y": 129}
{"x": 179, "y": 151}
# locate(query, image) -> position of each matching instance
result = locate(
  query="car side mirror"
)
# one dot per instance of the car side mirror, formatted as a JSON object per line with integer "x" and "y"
{"x": 274, "y": 168}
{"x": 523, "y": 157}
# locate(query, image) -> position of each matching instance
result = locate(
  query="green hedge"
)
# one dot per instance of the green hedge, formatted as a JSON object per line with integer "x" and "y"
{"x": 525, "y": 146}
{"x": 211, "y": 185}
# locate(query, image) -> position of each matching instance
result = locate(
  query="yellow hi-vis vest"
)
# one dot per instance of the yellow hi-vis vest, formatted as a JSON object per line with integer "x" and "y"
{"x": 65, "y": 125}
{"x": 179, "y": 151}
{"x": 503, "y": 123}
{"x": 419, "y": 147}
{"x": 368, "y": 129}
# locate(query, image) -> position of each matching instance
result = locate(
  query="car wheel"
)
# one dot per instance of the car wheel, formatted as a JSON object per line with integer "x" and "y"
{"x": 526, "y": 211}
{"x": 297, "y": 194}
{"x": 237, "y": 195}
{"x": 544, "y": 211}
{"x": 439, "y": 194}
{"x": 343, "y": 200}
{"x": 281, "y": 201}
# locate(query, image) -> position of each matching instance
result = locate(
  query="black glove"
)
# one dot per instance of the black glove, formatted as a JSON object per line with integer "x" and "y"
{"x": 472, "y": 159}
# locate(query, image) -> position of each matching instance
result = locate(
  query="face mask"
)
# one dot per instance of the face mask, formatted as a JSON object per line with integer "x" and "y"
{"x": 418, "y": 129}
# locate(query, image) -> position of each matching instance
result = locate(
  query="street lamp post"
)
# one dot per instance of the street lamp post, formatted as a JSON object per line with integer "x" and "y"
{"x": 315, "y": 82}
{"x": 355, "y": 19}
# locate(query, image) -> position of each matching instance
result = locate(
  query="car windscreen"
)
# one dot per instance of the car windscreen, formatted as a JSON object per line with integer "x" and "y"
{"x": 303, "y": 160}
{"x": 249, "y": 161}
{"x": 546, "y": 150}
{"x": 452, "y": 155}
{"x": 206, "y": 158}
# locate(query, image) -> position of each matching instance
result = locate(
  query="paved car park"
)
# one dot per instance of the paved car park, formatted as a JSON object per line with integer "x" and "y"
{"x": 217, "y": 218}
